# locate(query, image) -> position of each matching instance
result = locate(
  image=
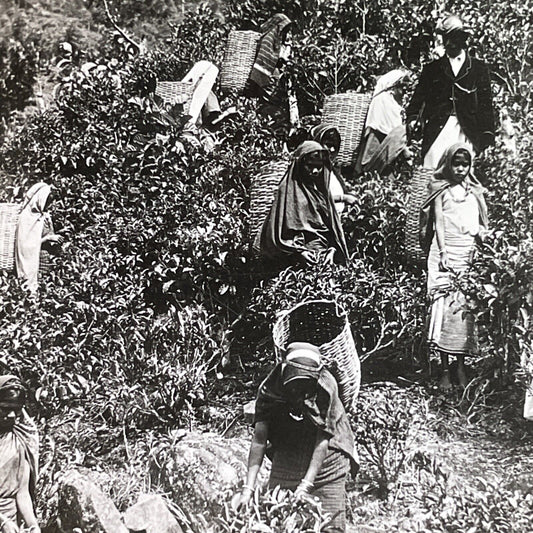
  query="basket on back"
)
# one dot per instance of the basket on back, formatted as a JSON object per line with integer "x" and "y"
{"x": 347, "y": 112}
{"x": 239, "y": 57}
{"x": 9, "y": 215}
{"x": 417, "y": 195}
{"x": 175, "y": 92}
{"x": 262, "y": 194}
{"x": 324, "y": 324}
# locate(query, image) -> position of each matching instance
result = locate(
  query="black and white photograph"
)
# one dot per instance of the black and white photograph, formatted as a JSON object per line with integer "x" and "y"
{"x": 266, "y": 266}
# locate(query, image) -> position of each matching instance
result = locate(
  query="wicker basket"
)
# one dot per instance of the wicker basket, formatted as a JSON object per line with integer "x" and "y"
{"x": 175, "y": 92}
{"x": 417, "y": 195}
{"x": 347, "y": 112}
{"x": 262, "y": 195}
{"x": 9, "y": 215}
{"x": 239, "y": 58}
{"x": 325, "y": 324}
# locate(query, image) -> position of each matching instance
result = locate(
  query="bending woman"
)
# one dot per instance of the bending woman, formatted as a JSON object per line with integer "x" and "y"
{"x": 303, "y": 223}
{"x": 35, "y": 238}
{"x": 298, "y": 411}
{"x": 451, "y": 218}
{"x": 384, "y": 138}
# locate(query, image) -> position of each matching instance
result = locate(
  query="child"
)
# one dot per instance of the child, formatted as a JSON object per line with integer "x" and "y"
{"x": 452, "y": 217}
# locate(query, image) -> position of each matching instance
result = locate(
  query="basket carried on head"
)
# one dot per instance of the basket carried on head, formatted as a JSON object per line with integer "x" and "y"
{"x": 239, "y": 57}
{"x": 324, "y": 324}
{"x": 9, "y": 216}
{"x": 262, "y": 194}
{"x": 347, "y": 112}
{"x": 417, "y": 195}
{"x": 175, "y": 92}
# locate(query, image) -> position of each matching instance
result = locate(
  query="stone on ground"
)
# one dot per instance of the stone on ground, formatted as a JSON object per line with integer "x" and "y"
{"x": 200, "y": 469}
{"x": 84, "y": 506}
{"x": 151, "y": 515}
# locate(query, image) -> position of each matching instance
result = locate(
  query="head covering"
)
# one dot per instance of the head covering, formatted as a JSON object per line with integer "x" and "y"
{"x": 384, "y": 112}
{"x": 12, "y": 390}
{"x": 29, "y": 234}
{"x": 268, "y": 50}
{"x": 319, "y": 131}
{"x": 451, "y": 24}
{"x": 303, "y": 215}
{"x": 302, "y": 361}
{"x": 442, "y": 180}
{"x": 444, "y": 168}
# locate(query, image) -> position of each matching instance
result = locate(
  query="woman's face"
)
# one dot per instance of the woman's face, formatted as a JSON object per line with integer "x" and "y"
{"x": 460, "y": 166}
{"x": 331, "y": 141}
{"x": 9, "y": 414}
{"x": 298, "y": 390}
{"x": 313, "y": 165}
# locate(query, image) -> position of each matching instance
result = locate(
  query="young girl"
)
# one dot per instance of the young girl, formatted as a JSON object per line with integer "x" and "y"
{"x": 452, "y": 217}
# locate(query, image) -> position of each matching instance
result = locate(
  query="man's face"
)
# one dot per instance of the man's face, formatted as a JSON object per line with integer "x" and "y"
{"x": 9, "y": 414}
{"x": 454, "y": 42}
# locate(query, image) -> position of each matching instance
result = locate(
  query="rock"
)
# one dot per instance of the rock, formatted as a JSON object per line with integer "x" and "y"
{"x": 151, "y": 514}
{"x": 83, "y": 505}
{"x": 199, "y": 469}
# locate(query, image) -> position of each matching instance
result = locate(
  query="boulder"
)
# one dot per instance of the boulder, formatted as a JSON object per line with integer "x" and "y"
{"x": 200, "y": 469}
{"x": 151, "y": 515}
{"x": 84, "y": 506}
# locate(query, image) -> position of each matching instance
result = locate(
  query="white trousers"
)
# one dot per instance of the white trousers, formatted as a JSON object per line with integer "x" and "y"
{"x": 451, "y": 133}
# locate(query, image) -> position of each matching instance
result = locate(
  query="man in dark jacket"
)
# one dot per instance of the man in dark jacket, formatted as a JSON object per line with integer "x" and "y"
{"x": 453, "y": 98}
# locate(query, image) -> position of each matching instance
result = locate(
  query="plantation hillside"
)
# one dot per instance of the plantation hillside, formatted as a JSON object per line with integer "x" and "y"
{"x": 153, "y": 328}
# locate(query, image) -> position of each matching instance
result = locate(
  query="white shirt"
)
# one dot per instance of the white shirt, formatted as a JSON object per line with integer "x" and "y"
{"x": 457, "y": 62}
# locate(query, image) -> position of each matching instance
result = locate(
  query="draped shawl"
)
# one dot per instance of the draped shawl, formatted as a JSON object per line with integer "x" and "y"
{"x": 29, "y": 234}
{"x": 303, "y": 211}
{"x": 442, "y": 180}
{"x": 324, "y": 410}
{"x": 384, "y": 112}
{"x": 268, "y": 50}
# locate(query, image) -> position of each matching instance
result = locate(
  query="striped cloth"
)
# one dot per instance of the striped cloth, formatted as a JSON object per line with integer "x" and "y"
{"x": 268, "y": 51}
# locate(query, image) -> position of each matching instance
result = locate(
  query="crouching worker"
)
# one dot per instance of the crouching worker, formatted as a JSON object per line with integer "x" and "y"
{"x": 303, "y": 224}
{"x": 299, "y": 413}
{"x": 19, "y": 444}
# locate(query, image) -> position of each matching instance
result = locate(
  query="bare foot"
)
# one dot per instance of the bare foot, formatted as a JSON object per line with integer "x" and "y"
{"x": 445, "y": 384}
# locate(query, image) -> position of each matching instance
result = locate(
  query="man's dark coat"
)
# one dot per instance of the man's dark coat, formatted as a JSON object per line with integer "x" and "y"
{"x": 468, "y": 95}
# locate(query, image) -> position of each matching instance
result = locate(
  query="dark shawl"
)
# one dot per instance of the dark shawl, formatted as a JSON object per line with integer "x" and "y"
{"x": 268, "y": 49}
{"x": 442, "y": 180}
{"x": 302, "y": 213}
{"x": 325, "y": 410}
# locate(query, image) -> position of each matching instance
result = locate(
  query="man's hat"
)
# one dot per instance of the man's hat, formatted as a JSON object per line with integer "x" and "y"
{"x": 451, "y": 24}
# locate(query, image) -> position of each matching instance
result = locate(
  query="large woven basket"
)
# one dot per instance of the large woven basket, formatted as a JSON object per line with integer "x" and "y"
{"x": 417, "y": 195}
{"x": 325, "y": 324}
{"x": 9, "y": 215}
{"x": 262, "y": 194}
{"x": 347, "y": 112}
{"x": 239, "y": 57}
{"x": 175, "y": 92}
